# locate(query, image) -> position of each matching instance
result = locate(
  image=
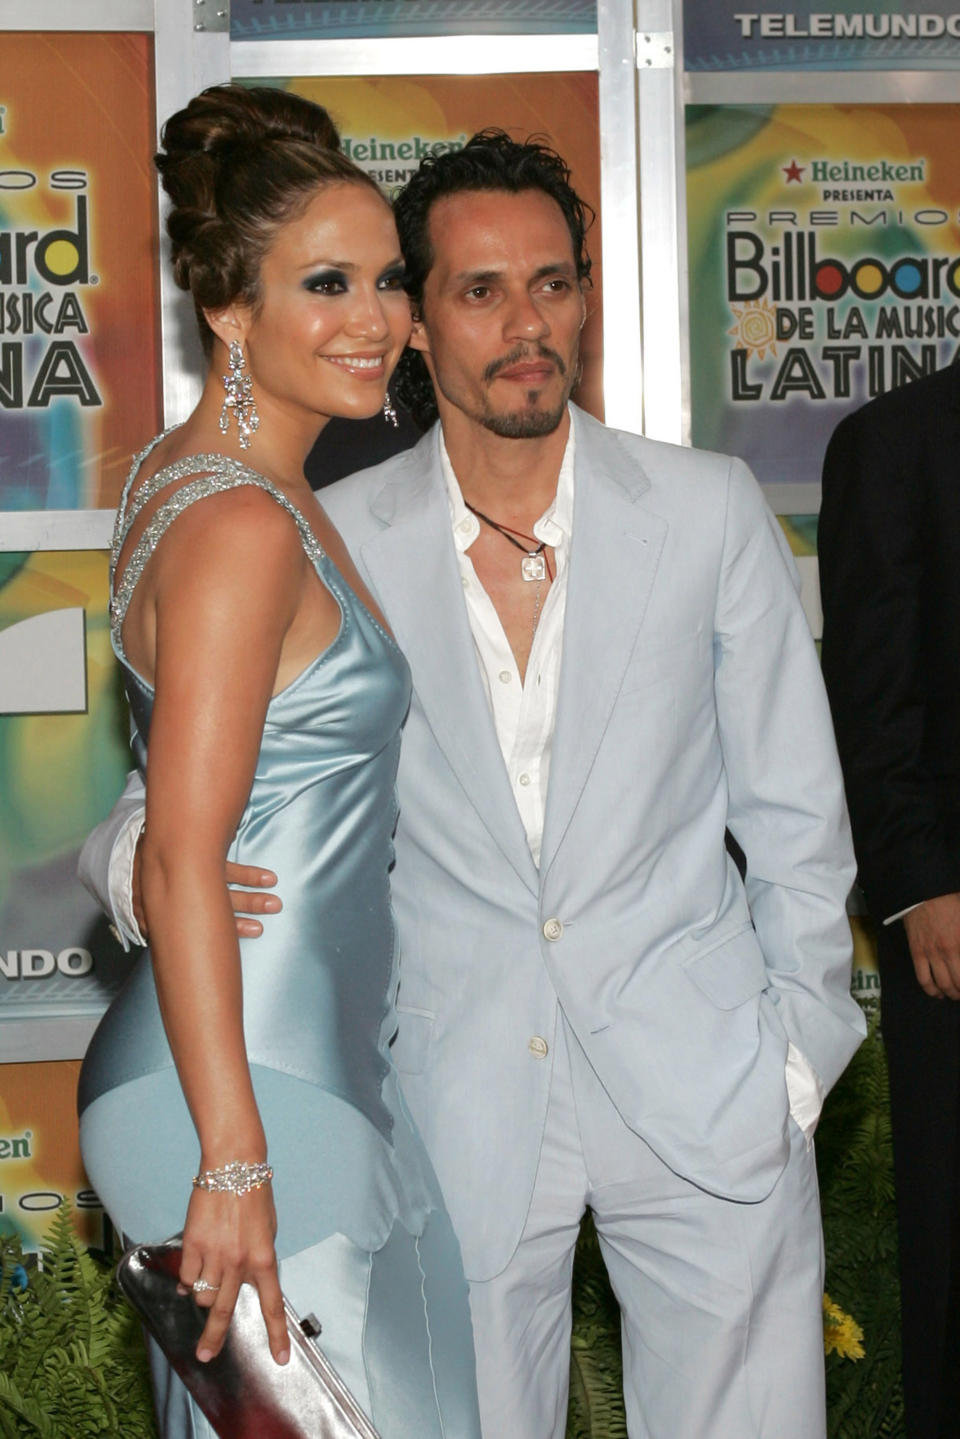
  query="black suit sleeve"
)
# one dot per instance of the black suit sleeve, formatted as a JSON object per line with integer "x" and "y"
{"x": 874, "y": 547}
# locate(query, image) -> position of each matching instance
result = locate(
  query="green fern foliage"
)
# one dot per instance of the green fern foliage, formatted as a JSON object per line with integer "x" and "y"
{"x": 72, "y": 1363}
{"x": 855, "y": 1159}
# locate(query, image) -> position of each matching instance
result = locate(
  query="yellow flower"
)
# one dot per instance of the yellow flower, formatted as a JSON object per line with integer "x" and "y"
{"x": 841, "y": 1332}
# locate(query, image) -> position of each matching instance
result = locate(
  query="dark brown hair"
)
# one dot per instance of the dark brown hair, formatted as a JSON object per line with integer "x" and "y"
{"x": 237, "y": 163}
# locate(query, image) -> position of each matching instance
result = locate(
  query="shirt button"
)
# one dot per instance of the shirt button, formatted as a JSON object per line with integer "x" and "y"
{"x": 553, "y": 929}
{"x": 463, "y": 526}
{"x": 538, "y": 1047}
{"x": 524, "y": 779}
{"x": 505, "y": 677}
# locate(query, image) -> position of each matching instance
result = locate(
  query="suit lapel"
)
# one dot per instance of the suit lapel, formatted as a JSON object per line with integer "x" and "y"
{"x": 413, "y": 567}
{"x": 614, "y": 553}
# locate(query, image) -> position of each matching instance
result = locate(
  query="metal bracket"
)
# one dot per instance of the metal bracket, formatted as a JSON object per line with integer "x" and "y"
{"x": 655, "y": 50}
{"x": 213, "y": 16}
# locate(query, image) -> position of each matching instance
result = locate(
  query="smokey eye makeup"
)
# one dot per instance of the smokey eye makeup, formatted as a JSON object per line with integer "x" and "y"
{"x": 333, "y": 281}
{"x": 393, "y": 278}
{"x": 326, "y": 282}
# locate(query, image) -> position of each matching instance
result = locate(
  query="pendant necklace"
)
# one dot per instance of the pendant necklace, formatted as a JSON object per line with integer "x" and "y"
{"x": 537, "y": 603}
{"x": 534, "y": 565}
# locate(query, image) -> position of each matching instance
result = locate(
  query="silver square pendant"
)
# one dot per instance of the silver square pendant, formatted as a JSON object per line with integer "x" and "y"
{"x": 533, "y": 567}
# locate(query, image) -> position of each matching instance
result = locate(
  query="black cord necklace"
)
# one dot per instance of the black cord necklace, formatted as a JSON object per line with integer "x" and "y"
{"x": 534, "y": 564}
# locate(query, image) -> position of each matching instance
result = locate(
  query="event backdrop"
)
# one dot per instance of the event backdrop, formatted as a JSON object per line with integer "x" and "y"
{"x": 849, "y": 35}
{"x": 40, "y": 1154}
{"x": 337, "y": 19}
{"x": 78, "y": 312}
{"x": 59, "y": 774}
{"x": 824, "y": 269}
{"x": 79, "y": 392}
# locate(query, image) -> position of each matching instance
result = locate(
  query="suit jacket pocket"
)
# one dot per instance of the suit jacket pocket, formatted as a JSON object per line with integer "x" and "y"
{"x": 731, "y": 972}
{"x": 411, "y": 1044}
{"x": 650, "y": 665}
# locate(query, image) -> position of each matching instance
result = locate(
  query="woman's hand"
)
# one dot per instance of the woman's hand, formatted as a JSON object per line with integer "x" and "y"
{"x": 248, "y": 885}
{"x": 227, "y": 1241}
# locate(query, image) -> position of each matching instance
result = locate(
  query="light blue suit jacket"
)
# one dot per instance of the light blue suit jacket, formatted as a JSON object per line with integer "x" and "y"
{"x": 690, "y": 701}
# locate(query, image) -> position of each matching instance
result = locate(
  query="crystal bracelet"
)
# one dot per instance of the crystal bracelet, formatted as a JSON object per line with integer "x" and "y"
{"x": 234, "y": 1178}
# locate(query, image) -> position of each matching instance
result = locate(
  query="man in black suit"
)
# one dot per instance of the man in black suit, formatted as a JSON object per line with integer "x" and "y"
{"x": 889, "y": 546}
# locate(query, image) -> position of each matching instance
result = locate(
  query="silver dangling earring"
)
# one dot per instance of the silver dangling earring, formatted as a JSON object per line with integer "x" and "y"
{"x": 239, "y": 398}
{"x": 389, "y": 413}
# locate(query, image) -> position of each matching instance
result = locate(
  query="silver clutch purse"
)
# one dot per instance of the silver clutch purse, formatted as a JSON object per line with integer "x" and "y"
{"x": 243, "y": 1392}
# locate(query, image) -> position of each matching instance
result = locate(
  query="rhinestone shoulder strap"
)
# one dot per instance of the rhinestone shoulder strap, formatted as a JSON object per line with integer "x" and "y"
{"x": 219, "y": 474}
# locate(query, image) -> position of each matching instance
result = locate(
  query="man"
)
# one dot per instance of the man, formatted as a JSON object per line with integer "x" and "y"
{"x": 890, "y": 574}
{"x": 610, "y": 667}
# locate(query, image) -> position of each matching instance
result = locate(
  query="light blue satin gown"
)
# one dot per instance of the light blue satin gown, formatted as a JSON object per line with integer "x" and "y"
{"x": 364, "y": 1240}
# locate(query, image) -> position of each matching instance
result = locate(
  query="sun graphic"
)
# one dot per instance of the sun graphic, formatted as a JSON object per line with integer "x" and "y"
{"x": 755, "y": 328}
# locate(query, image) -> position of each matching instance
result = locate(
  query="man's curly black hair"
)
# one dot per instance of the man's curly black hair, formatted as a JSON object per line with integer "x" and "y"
{"x": 490, "y": 160}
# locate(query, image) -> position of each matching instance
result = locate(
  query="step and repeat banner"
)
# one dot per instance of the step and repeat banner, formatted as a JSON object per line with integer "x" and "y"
{"x": 79, "y": 390}
{"x": 886, "y": 35}
{"x": 40, "y": 1166}
{"x": 78, "y": 292}
{"x": 824, "y": 270}
{"x": 824, "y": 240}
{"x": 381, "y": 19}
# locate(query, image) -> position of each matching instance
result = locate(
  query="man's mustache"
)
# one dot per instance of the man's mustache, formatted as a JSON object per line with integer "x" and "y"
{"x": 519, "y": 355}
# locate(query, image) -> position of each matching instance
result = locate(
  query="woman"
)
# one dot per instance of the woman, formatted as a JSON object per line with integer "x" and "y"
{"x": 267, "y": 696}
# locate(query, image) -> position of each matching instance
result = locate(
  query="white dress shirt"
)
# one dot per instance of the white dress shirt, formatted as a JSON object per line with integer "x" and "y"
{"x": 523, "y": 712}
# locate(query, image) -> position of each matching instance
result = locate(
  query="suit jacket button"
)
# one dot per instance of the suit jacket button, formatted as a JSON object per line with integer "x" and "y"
{"x": 538, "y": 1047}
{"x": 553, "y": 929}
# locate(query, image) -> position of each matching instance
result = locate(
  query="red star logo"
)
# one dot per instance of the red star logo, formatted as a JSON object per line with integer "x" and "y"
{"x": 793, "y": 172}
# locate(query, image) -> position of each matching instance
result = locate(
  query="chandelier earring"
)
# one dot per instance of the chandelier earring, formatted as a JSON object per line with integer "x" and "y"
{"x": 389, "y": 413}
{"x": 239, "y": 398}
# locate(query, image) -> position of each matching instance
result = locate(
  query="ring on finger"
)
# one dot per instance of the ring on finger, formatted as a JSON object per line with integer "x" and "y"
{"x": 203, "y": 1286}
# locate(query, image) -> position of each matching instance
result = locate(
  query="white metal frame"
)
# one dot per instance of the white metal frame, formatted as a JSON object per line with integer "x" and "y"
{"x": 822, "y": 87}
{"x": 662, "y": 219}
{"x": 623, "y": 367}
{"x": 65, "y": 15}
{"x": 405, "y": 55}
{"x": 187, "y": 59}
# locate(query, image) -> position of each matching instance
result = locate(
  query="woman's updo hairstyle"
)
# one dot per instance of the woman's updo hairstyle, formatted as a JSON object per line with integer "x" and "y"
{"x": 237, "y": 163}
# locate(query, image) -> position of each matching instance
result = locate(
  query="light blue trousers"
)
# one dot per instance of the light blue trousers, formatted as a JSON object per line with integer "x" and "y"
{"x": 722, "y": 1327}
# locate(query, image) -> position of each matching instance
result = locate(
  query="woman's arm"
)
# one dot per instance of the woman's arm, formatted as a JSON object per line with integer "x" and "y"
{"x": 225, "y": 587}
